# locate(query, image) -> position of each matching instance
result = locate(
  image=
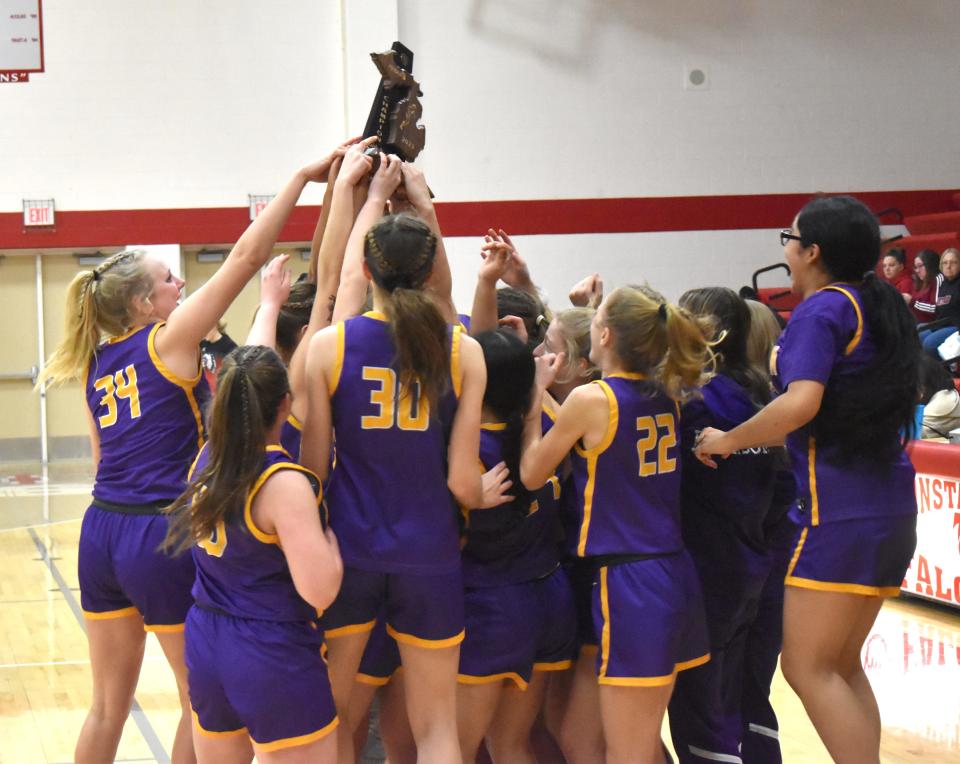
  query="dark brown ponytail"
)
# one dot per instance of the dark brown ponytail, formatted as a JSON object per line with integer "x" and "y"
{"x": 250, "y": 387}
{"x": 399, "y": 251}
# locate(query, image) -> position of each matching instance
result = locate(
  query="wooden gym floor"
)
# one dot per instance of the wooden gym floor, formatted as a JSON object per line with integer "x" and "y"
{"x": 912, "y": 656}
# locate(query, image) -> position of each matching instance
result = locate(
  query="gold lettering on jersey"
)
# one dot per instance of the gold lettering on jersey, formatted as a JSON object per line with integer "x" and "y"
{"x": 123, "y": 384}
{"x": 216, "y": 544}
{"x": 660, "y": 435}
{"x": 395, "y": 405}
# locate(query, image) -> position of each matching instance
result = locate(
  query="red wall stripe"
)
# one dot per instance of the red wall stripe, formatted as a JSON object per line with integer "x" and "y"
{"x": 222, "y": 225}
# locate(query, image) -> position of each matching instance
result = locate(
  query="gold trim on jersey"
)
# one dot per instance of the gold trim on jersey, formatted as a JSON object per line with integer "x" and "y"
{"x": 338, "y": 360}
{"x": 430, "y": 644}
{"x": 796, "y": 552}
{"x": 829, "y": 586}
{"x": 212, "y": 733}
{"x": 547, "y": 408}
{"x": 193, "y": 464}
{"x": 625, "y": 375}
{"x": 258, "y": 534}
{"x": 164, "y": 628}
{"x": 592, "y": 455}
{"x": 858, "y": 334}
{"x": 554, "y": 666}
{"x": 514, "y": 677}
{"x": 455, "y": 361}
{"x": 353, "y": 628}
{"x": 107, "y": 614}
{"x": 290, "y": 742}
{"x": 187, "y": 385}
{"x": 493, "y": 426}
{"x": 605, "y": 633}
{"x": 812, "y": 469}
{"x": 373, "y": 681}
{"x": 295, "y": 423}
{"x": 376, "y": 315}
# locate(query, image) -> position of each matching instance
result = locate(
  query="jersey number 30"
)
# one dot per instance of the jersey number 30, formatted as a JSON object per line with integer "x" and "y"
{"x": 660, "y": 436}
{"x": 123, "y": 384}
{"x": 407, "y": 410}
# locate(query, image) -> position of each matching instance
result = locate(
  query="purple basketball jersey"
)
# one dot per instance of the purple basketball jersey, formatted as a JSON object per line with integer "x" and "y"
{"x": 628, "y": 485}
{"x": 148, "y": 419}
{"x": 291, "y": 433}
{"x": 531, "y": 549}
{"x": 388, "y": 497}
{"x": 241, "y": 570}
{"x": 826, "y": 339}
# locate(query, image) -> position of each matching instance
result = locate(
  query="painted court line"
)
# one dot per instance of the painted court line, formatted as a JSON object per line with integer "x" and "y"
{"x": 139, "y": 717}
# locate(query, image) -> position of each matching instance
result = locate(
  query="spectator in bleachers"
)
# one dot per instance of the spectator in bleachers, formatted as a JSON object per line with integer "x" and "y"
{"x": 939, "y": 398}
{"x": 926, "y": 267}
{"x": 947, "y": 300}
{"x": 895, "y": 271}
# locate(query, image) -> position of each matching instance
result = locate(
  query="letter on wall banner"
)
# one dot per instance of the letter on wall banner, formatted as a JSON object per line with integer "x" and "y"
{"x": 21, "y": 39}
{"x": 934, "y": 572}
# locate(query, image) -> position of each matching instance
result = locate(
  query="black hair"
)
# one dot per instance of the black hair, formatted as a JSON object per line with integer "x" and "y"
{"x": 516, "y": 302}
{"x": 732, "y": 320}
{"x": 294, "y": 315}
{"x": 898, "y": 254}
{"x": 868, "y": 414}
{"x": 250, "y": 387}
{"x": 500, "y": 532}
{"x": 931, "y": 262}
{"x": 934, "y": 377}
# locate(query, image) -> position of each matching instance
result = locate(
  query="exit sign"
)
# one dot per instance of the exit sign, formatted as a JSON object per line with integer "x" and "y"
{"x": 38, "y": 212}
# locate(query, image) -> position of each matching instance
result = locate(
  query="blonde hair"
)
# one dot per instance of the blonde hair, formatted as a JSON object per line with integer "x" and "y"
{"x": 574, "y": 326}
{"x": 98, "y": 305}
{"x": 763, "y": 334}
{"x": 658, "y": 339}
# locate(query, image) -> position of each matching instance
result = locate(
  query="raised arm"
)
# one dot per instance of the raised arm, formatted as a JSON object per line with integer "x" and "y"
{"x": 517, "y": 273}
{"x": 178, "y": 343}
{"x": 287, "y": 504}
{"x": 463, "y": 452}
{"x": 483, "y": 316}
{"x": 329, "y": 263}
{"x": 274, "y": 291}
{"x": 352, "y": 291}
{"x": 584, "y": 412}
{"x": 440, "y": 283}
{"x": 318, "y": 426}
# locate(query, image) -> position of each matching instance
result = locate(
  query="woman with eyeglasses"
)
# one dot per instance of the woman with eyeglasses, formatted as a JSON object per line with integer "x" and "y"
{"x": 846, "y": 368}
{"x": 926, "y": 268}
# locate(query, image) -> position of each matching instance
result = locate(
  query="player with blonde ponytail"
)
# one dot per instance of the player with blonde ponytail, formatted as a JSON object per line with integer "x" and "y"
{"x": 136, "y": 348}
{"x": 621, "y": 434}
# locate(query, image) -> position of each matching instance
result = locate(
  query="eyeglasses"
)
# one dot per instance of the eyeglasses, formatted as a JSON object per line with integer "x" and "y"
{"x": 786, "y": 236}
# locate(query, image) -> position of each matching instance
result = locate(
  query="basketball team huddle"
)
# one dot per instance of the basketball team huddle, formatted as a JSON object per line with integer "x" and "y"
{"x": 530, "y": 532}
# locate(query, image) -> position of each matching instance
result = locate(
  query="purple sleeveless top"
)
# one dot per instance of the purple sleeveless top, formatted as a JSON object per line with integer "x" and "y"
{"x": 388, "y": 497}
{"x": 827, "y": 338}
{"x": 149, "y": 420}
{"x": 532, "y": 549}
{"x": 628, "y": 485}
{"x": 291, "y": 432}
{"x": 241, "y": 571}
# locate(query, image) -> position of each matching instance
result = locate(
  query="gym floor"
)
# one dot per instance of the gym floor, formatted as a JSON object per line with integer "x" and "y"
{"x": 912, "y": 656}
